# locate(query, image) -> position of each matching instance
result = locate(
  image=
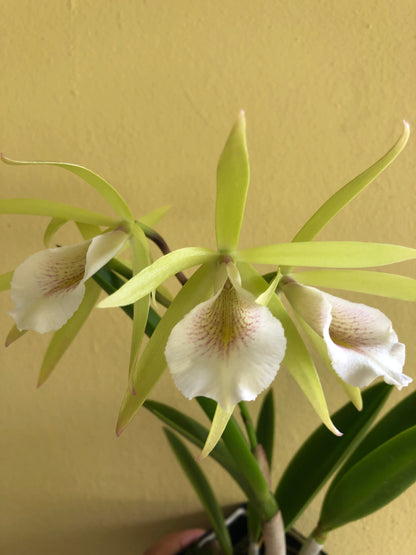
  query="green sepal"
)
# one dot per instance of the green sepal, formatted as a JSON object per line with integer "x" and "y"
{"x": 266, "y": 425}
{"x": 5, "y": 280}
{"x": 346, "y": 194}
{"x": 152, "y": 363}
{"x": 322, "y": 453}
{"x": 151, "y": 277}
{"x": 152, "y": 218}
{"x": 106, "y": 190}
{"x": 41, "y": 207}
{"x": 63, "y": 338}
{"x": 383, "y": 284}
{"x": 297, "y": 358}
{"x": 54, "y": 225}
{"x": 233, "y": 176}
{"x": 328, "y": 254}
{"x": 371, "y": 483}
{"x": 202, "y": 488}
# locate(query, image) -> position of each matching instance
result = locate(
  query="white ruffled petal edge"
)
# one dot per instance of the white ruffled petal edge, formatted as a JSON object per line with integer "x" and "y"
{"x": 227, "y": 348}
{"x": 360, "y": 340}
{"x": 48, "y": 287}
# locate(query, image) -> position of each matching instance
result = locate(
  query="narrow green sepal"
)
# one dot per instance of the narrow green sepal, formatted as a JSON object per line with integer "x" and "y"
{"x": 233, "y": 176}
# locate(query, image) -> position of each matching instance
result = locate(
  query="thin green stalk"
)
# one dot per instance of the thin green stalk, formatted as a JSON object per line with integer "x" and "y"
{"x": 248, "y": 423}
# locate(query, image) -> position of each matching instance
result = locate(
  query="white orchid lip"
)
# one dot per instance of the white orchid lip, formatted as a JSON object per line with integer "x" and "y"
{"x": 360, "y": 340}
{"x": 228, "y": 348}
{"x": 48, "y": 287}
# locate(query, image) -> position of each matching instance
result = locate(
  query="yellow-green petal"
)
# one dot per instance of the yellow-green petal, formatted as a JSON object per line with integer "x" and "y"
{"x": 106, "y": 190}
{"x": 5, "y": 280}
{"x": 219, "y": 422}
{"x": 347, "y": 193}
{"x": 153, "y": 217}
{"x": 328, "y": 254}
{"x": 41, "y": 207}
{"x": 232, "y": 184}
{"x": 63, "y": 338}
{"x": 361, "y": 281}
{"x": 297, "y": 359}
{"x": 152, "y": 363}
{"x": 151, "y": 277}
{"x": 54, "y": 225}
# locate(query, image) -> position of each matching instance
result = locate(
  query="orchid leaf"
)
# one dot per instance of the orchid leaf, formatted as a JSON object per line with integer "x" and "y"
{"x": 328, "y": 254}
{"x": 297, "y": 359}
{"x": 372, "y": 482}
{"x": 347, "y": 193}
{"x": 152, "y": 363}
{"x": 322, "y": 453}
{"x": 399, "y": 418}
{"x": 202, "y": 488}
{"x": 152, "y": 276}
{"x": 361, "y": 281}
{"x": 266, "y": 425}
{"x": 232, "y": 185}
{"x": 106, "y": 190}
{"x": 152, "y": 218}
{"x": 5, "y": 280}
{"x": 63, "y": 338}
{"x": 40, "y": 207}
{"x": 54, "y": 225}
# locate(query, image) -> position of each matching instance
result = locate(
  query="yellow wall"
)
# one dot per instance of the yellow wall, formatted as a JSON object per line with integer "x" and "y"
{"x": 145, "y": 92}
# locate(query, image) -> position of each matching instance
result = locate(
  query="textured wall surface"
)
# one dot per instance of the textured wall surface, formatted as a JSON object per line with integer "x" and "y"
{"x": 145, "y": 92}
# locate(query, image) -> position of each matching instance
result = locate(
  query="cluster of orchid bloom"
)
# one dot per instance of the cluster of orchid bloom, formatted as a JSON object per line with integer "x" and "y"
{"x": 226, "y": 333}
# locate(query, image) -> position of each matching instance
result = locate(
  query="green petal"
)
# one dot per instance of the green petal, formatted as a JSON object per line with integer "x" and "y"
{"x": 297, "y": 359}
{"x": 361, "y": 281}
{"x": 347, "y": 193}
{"x": 105, "y": 189}
{"x": 371, "y": 483}
{"x": 203, "y": 490}
{"x": 153, "y": 217}
{"x": 152, "y": 363}
{"x": 232, "y": 185}
{"x": 140, "y": 258}
{"x": 5, "y": 280}
{"x": 54, "y": 225}
{"x": 63, "y": 338}
{"x": 328, "y": 254}
{"x": 40, "y": 207}
{"x": 151, "y": 277}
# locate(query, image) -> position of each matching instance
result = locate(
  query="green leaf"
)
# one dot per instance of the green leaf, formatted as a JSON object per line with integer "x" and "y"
{"x": 202, "y": 489}
{"x": 110, "y": 194}
{"x": 63, "y": 338}
{"x": 5, "y": 280}
{"x": 328, "y": 254}
{"x": 322, "y": 453}
{"x": 152, "y": 276}
{"x": 361, "y": 281}
{"x": 297, "y": 358}
{"x": 40, "y": 207}
{"x": 152, "y": 363}
{"x": 399, "y": 418}
{"x": 371, "y": 483}
{"x": 233, "y": 176}
{"x": 54, "y": 225}
{"x": 265, "y": 426}
{"x": 346, "y": 194}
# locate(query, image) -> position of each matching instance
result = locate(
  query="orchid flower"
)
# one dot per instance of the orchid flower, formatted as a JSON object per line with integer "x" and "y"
{"x": 360, "y": 342}
{"x": 51, "y": 290}
{"x": 214, "y": 334}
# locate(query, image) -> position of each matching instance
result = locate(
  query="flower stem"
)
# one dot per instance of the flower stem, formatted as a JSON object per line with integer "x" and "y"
{"x": 248, "y": 423}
